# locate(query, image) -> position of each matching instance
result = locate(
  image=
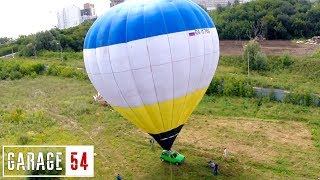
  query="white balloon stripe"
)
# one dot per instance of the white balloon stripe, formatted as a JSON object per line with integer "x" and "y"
{"x": 167, "y": 69}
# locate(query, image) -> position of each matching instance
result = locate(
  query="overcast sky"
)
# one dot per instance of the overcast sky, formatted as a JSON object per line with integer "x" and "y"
{"x": 23, "y": 17}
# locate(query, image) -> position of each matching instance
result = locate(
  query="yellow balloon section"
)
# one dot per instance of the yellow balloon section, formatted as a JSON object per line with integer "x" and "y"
{"x": 174, "y": 113}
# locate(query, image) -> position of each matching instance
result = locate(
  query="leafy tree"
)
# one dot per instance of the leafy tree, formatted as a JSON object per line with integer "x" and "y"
{"x": 273, "y": 19}
{"x": 4, "y": 40}
{"x": 28, "y": 50}
{"x": 257, "y": 59}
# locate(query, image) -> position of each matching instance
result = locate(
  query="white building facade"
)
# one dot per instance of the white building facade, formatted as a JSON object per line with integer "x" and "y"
{"x": 69, "y": 17}
{"x": 88, "y": 12}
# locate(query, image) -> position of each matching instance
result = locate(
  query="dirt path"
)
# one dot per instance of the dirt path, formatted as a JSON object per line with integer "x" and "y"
{"x": 276, "y": 47}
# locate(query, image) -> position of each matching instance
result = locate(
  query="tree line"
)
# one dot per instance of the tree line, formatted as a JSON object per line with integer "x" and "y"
{"x": 70, "y": 40}
{"x": 272, "y": 19}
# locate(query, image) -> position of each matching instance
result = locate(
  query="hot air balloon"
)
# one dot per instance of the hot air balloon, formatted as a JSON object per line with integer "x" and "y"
{"x": 152, "y": 61}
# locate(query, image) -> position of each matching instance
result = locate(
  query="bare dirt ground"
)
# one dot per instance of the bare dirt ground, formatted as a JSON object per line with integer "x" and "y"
{"x": 275, "y": 47}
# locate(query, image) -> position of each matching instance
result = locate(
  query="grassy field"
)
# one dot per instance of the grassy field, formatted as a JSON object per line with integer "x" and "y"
{"x": 265, "y": 140}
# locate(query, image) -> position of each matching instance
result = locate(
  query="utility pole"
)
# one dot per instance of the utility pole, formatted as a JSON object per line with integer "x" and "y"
{"x": 35, "y": 51}
{"x": 248, "y": 65}
{"x": 58, "y": 43}
{"x": 61, "y": 53}
{"x": 12, "y": 52}
{"x": 248, "y": 58}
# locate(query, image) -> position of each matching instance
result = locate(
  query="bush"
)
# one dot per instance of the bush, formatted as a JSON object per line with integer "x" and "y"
{"x": 6, "y": 49}
{"x": 19, "y": 69}
{"x": 308, "y": 67}
{"x": 53, "y": 70}
{"x": 56, "y": 70}
{"x": 23, "y": 140}
{"x": 234, "y": 86}
{"x": 305, "y": 99}
{"x": 272, "y": 96}
{"x": 15, "y": 75}
{"x": 67, "y": 72}
{"x": 257, "y": 59}
{"x": 286, "y": 61}
{"x": 16, "y": 116}
{"x": 247, "y": 90}
{"x": 231, "y": 60}
{"x": 230, "y": 86}
{"x": 215, "y": 87}
{"x": 57, "y": 55}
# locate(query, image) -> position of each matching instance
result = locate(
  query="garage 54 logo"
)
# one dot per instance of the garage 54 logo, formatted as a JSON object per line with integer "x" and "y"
{"x": 47, "y": 161}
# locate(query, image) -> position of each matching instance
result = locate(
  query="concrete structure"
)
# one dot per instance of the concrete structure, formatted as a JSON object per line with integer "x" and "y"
{"x": 213, "y": 4}
{"x": 115, "y": 2}
{"x": 90, "y": 8}
{"x": 69, "y": 17}
{"x": 72, "y": 15}
{"x": 88, "y": 12}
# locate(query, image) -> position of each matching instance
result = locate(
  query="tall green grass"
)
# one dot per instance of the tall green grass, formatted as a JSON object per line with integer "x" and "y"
{"x": 13, "y": 69}
{"x": 57, "y": 55}
{"x": 16, "y": 69}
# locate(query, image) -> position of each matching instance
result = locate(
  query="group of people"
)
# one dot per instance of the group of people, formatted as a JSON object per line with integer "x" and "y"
{"x": 215, "y": 166}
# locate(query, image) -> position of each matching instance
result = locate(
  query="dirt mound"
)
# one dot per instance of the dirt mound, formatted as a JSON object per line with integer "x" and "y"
{"x": 276, "y": 47}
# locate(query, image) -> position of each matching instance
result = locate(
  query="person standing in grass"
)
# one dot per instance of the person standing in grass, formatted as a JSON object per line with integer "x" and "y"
{"x": 211, "y": 165}
{"x": 151, "y": 143}
{"x": 119, "y": 177}
{"x": 225, "y": 152}
{"x": 215, "y": 170}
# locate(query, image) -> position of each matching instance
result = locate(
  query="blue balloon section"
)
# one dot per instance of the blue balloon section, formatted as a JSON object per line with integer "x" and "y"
{"x": 142, "y": 19}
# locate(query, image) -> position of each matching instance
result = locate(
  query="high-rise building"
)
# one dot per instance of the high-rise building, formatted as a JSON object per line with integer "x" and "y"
{"x": 69, "y": 17}
{"x": 89, "y": 7}
{"x": 72, "y": 16}
{"x": 88, "y": 12}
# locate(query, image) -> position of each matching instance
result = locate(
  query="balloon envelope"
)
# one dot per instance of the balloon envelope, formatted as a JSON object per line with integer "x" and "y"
{"x": 153, "y": 61}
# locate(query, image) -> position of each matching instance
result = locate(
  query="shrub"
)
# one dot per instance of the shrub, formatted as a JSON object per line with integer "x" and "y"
{"x": 215, "y": 87}
{"x": 16, "y": 116}
{"x": 286, "y": 61}
{"x": 305, "y": 99}
{"x": 247, "y": 90}
{"x": 231, "y": 60}
{"x": 56, "y": 70}
{"x": 53, "y": 70}
{"x": 230, "y": 86}
{"x": 257, "y": 59}
{"x": 23, "y": 140}
{"x": 57, "y": 55}
{"x": 272, "y": 96}
{"x": 67, "y": 72}
{"x": 6, "y": 49}
{"x": 15, "y": 75}
{"x": 33, "y": 75}
{"x": 19, "y": 69}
